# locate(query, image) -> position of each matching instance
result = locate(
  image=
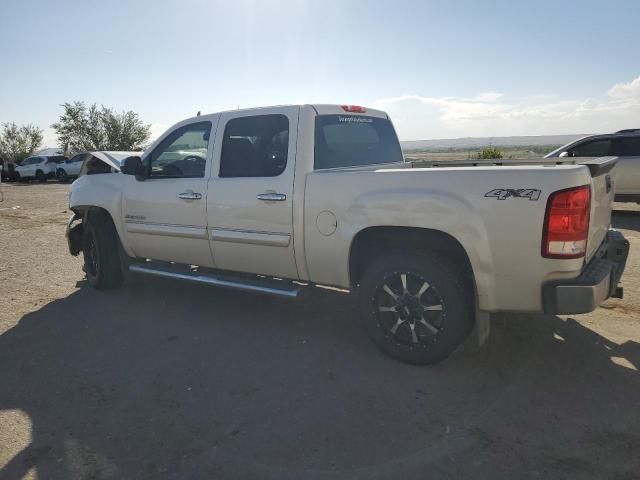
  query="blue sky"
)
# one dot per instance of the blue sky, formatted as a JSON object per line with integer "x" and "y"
{"x": 441, "y": 68}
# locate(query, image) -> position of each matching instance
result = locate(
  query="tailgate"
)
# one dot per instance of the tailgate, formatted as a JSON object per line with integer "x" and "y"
{"x": 602, "y": 192}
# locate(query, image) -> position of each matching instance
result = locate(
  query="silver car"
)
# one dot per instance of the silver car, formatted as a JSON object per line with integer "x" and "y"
{"x": 624, "y": 144}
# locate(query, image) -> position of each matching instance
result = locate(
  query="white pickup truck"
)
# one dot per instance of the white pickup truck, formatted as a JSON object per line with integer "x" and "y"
{"x": 270, "y": 199}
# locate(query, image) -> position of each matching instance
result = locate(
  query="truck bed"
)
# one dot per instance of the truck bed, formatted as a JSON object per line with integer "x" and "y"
{"x": 596, "y": 166}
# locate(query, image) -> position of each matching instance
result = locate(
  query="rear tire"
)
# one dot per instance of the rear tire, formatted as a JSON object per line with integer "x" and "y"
{"x": 40, "y": 177}
{"x": 417, "y": 308}
{"x": 100, "y": 247}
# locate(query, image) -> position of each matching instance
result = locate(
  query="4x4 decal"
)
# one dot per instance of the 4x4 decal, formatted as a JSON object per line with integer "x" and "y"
{"x": 532, "y": 194}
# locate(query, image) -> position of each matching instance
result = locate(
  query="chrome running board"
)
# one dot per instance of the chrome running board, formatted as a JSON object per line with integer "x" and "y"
{"x": 279, "y": 288}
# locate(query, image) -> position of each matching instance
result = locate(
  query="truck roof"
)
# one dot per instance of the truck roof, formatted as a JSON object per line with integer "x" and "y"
{"x": 320, "y": 109}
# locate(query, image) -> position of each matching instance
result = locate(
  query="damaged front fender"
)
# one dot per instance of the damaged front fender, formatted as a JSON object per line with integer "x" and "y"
{"x": 74, "y": 234}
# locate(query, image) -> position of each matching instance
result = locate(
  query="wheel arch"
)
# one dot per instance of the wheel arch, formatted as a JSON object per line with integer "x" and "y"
{"x": 84, "y": 212}
{"x": 373, "y": 242}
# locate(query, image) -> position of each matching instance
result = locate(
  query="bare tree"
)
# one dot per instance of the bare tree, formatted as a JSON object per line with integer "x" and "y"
{"x": 82, "y": 128}
{"x": 18, "y": 142}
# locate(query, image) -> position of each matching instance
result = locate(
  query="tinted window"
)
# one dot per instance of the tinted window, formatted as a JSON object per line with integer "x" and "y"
{"x": 629, "y": 147}
{"x": 348, "y": 140}
{"x": 597, "y": 148}
{"x": 57, "y": 159}
{"x": 255, "y": 146}
{"x": 182, "y": 154}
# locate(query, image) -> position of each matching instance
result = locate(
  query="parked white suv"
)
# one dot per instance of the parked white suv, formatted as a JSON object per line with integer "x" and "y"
{"x": 624, "y": 144}
{"x": 69, "y": 169}
{"x": 39, "y": 167}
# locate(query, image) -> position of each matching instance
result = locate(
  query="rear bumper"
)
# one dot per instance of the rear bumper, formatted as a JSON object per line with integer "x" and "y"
{"x": 597, "y": 282}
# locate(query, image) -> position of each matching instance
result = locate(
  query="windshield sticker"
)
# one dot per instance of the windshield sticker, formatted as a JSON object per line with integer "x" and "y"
{"x": 532, "y": 194}
{"x": 355, "y": 119}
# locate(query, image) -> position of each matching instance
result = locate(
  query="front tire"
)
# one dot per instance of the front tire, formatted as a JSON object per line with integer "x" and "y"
{"x": 100, "y": 249}
{"x": 417, "y": 308}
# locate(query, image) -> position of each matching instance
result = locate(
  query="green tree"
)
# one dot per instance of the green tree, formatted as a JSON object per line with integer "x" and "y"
{"x": 82, "y": 128}
{"x": 17, "y": 143}
{"x": 489, "y": 152}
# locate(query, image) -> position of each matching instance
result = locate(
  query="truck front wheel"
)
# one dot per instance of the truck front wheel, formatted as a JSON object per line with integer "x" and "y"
{"x": 101, "y": 254}
{"x": 417, "y": 308}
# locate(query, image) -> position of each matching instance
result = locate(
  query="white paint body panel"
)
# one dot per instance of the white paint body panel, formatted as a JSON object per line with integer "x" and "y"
{"x": 627, "y": 176}
{"x": 229, "y": 228}
{"x": 248, "y": 234}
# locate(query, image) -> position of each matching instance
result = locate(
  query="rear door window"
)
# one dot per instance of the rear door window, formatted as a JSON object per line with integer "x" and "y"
{"x": 255, "y": 146}
{"x": 350, "y": 140}
{"x": 628, "y": 147}
{"x": 595, "y": 148}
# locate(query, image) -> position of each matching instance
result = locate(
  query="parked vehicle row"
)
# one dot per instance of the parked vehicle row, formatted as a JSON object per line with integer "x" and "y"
{"x": 44, "y": 167}
{"x": 39, "y": 168}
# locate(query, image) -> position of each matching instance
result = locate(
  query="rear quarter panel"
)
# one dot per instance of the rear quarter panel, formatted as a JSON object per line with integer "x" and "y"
{"x": 502, "y": 238}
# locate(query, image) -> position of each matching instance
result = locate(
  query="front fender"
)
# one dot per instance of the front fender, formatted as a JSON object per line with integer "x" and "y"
{"x": 102, "y": 191}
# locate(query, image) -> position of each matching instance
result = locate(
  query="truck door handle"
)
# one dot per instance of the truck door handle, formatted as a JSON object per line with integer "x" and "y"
{"x": 190, "y": 196}
{"x": 272, "y": 197}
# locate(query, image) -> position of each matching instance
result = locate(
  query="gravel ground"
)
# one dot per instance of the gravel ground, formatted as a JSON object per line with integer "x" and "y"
{"x": 168, "y": 380}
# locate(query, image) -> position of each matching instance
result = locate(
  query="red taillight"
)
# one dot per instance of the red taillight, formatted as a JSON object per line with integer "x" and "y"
{"x": 566, "y": 225}
{"x": 354, "y": 109}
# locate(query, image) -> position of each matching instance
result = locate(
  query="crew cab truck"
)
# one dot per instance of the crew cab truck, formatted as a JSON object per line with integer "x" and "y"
{"x": 268, "y": 199}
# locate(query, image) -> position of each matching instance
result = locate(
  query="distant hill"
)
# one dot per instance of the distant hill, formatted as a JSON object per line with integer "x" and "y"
{"x": 477, "y": 142}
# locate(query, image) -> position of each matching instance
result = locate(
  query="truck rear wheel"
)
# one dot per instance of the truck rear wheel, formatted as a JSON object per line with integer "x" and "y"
{"x": 101, "y": 253}
{"x": 417, "y": 308}
{"x": 40, "y": 177}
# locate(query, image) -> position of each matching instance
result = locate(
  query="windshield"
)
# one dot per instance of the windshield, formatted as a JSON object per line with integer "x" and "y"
{"x": 349, "y": 140}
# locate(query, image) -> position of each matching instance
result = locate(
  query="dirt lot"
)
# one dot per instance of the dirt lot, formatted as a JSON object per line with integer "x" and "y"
{"x": 167, "y": 380}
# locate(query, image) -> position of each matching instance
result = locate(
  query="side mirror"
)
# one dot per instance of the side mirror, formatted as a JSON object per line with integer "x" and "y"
{"x": 133, "y": 166}
{"x": 563, "y": 155}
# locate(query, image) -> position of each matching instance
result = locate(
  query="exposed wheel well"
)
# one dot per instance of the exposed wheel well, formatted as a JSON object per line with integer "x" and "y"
{"x": 82, "y": 213}
{"x": 373, "y": 242}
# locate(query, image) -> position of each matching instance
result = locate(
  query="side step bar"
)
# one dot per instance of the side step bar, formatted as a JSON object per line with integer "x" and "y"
{"x": 257, "y": 285}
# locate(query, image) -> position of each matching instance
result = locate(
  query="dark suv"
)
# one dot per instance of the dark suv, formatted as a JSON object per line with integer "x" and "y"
{"x": 624, "y": 144}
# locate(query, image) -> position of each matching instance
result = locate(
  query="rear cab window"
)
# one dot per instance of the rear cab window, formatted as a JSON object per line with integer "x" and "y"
{"x": 353, "y": 140}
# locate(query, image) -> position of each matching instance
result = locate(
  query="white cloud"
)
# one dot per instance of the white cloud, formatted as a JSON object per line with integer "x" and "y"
{"x": 626, "y": 90}
{"x": 488, "y": 97}
{"x": 493, "y": 114}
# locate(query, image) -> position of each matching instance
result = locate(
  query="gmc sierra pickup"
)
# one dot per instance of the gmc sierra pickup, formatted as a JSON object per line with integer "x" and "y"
{"x": 272, "y": 199}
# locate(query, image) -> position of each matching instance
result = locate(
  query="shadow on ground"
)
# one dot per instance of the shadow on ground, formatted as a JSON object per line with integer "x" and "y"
{"x": 167, "y": 380}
